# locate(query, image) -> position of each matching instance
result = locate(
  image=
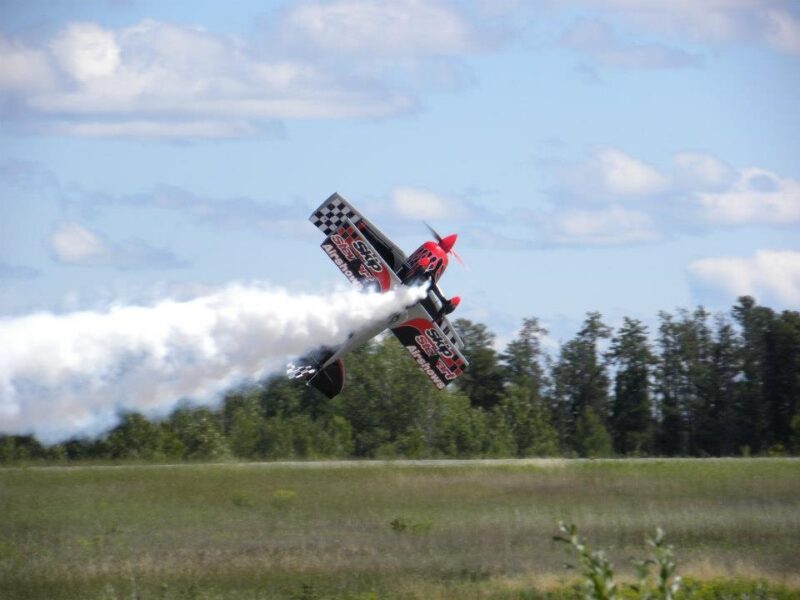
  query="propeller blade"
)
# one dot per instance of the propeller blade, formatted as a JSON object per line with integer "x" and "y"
{"x": 434, "y": 232}
{"x": 459, "y": 259}
{"x": 439, "y": 240}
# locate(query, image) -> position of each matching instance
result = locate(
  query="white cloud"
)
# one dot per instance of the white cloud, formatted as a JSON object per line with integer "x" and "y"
{"x": 73, "y": 244}
{"x": 606, "y": 227}
{"x": 625, "y": 175}
{"x": 86, "y": 51}
{"x": 757, "y": 197}
{"x": 398, "y": 29}
{"x": 610, "y": 172}
{"x": 783, "y": 31}
{"x": 701, "y": 170}
{"x": 144, "y": 129}
{"x": 700, "y": 191}
{"x": 419, "y": 203}
{"x": 125, "y": 81}
{"x": 599, "y": 41}
{"x": 770, "y": 276}
{"x": 349, "y": 59}
{"x": 24, "y": 69}
{"x": 774, "y": 23}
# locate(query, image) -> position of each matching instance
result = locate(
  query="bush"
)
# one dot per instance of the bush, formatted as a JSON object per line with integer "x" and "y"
{"x": 597, "y": 571}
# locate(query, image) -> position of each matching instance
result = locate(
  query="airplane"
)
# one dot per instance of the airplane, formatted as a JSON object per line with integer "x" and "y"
{"x": 369, "y": 259}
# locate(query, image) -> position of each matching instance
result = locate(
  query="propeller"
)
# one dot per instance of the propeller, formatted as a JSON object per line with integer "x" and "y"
{"x": 448, "y": 245}
{"x": 434, "y": 233}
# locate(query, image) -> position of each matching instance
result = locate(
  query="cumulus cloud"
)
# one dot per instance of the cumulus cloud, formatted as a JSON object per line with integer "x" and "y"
{"x": 24, "y": 69}
{"x": 625, "y": 175}
{"x": 419, "y": 203}
{"x": 396, "y": 30}
{"x": 598, "y": 40}
{"x": 610, "y": 172}
{"x": 347, "y": 59}
{"x": 606, "y": 227}
{"x": 770, "y": 276}
{"x": 701, "y": 170}
{"x": 699, "y": 191}
{"x": 757, "y": 197}
{"x": 74, "y": 244}
{"x": 86, "y": 52}
{"x": 773, "y": 23}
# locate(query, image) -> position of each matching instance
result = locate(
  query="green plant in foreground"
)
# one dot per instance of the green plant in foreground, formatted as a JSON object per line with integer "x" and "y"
{"x": 667, "y": 583}
{"x": 401, "y": 525}
{"x": 598, "y": 572}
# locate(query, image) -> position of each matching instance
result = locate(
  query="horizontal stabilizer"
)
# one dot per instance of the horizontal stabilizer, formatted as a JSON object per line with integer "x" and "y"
{"x": 329, "y": 380}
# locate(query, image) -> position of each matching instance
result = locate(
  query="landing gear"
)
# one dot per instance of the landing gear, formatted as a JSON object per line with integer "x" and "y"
{"x": 448, "y": 306}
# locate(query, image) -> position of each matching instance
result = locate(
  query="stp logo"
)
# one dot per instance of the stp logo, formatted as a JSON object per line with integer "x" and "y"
{"x": 372, "y": 261}
{"x": 441, "y": 345}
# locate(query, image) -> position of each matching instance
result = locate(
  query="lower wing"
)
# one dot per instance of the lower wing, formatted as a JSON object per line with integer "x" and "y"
{"x": 434, "y": 352}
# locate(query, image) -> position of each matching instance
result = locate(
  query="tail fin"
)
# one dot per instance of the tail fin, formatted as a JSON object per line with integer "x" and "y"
{"x": 329, "y": 380}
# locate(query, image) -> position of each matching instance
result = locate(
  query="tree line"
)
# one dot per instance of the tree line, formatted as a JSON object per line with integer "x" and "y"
{"x": 700, "y": 385}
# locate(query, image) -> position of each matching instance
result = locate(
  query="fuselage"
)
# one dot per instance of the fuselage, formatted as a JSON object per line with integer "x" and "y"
{"x": 427, "y": 262}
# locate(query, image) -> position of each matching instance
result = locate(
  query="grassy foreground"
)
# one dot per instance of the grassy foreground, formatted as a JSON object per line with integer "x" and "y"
{"x": 360, "y": 530}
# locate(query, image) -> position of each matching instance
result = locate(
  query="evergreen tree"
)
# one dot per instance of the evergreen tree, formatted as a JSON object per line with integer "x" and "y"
{"x": 386, "y": 397}
{"x": 243, "y": 423}
{"x": 782, "y": 377}
{"x": 684, "y": 380}
{"x": 482, "y": 381}
{"x": 580, "y": 379}
{"x": 591, "y": 436}
{"x": 718, "y": 426}
{"x": 753, "y": 419}
{"x": 697, "y": 351}
{"x": 523, "y": 358}
{"x": 669, "y": 376}
{"x": 136, "y": 437}
{"x": 631, "y": 420}
{"x": 463, "y": 431}
{"x": 528, "y": 421}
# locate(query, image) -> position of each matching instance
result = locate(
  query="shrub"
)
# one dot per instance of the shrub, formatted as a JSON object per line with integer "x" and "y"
{"x": 597, "y": 572}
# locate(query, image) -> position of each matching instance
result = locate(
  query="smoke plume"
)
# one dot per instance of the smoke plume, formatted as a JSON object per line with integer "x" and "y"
{"x": 72, "y": 375}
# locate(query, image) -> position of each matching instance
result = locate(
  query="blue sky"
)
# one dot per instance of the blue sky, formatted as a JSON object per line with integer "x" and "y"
{"x": 614, "y": 155}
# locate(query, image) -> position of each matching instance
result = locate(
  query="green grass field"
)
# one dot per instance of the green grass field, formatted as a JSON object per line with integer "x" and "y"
{"x": 361, "y": 530}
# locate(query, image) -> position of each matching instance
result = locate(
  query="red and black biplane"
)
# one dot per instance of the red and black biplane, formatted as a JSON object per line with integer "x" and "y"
{"x": 369, "y": 259}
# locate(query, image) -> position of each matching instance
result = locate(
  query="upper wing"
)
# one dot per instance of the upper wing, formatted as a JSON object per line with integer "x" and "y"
{"x": 349, "y": 250}
{"x": 331, "y": 214}
{"x": 437, "y": 355}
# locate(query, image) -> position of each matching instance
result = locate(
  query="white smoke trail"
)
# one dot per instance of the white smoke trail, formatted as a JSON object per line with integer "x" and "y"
{"x": 63, "y": 376}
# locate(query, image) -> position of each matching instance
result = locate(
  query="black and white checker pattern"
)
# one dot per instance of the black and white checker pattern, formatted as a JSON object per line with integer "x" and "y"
{"x": 329, "y": 216}
{"x": 299, "y": 371}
